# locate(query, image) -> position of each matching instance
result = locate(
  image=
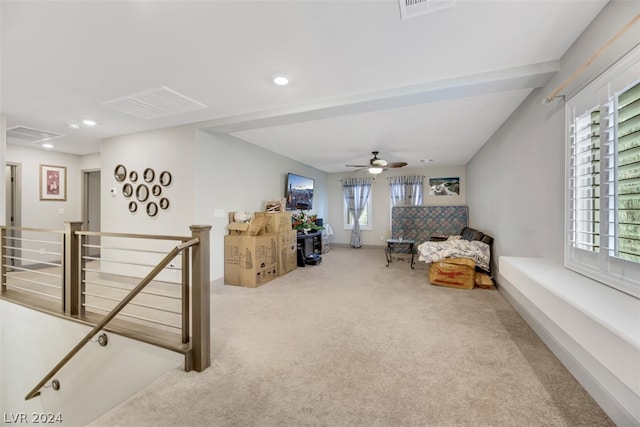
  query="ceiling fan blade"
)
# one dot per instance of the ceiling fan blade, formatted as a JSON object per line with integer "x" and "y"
{"x": 357, "y": 166}
{"x": 397, "y": 165}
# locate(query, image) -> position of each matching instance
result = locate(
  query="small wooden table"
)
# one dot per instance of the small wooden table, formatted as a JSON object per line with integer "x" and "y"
{"x": 399, "y": 246}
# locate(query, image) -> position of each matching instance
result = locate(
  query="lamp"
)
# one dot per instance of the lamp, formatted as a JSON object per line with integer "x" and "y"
{"x": 375, "y": 169}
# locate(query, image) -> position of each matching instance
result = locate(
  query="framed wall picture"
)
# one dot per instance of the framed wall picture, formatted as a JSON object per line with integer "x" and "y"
{"x": 53, "y": 182}
{"x": 444, "y": 186}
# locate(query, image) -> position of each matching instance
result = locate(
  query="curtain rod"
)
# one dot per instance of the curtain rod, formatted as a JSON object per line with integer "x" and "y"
{"x": 580, "y": 69}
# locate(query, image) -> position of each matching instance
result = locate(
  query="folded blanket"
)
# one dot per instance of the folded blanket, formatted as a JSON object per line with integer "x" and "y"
{"x": 437, "y": 251}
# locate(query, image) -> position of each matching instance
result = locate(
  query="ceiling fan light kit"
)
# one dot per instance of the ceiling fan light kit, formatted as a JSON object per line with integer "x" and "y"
{"x": 377, "y": 165}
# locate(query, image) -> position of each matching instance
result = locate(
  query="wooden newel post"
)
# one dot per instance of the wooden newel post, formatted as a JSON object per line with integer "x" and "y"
{"x": 71, "y": 286}
{"x": 201, "y": 294}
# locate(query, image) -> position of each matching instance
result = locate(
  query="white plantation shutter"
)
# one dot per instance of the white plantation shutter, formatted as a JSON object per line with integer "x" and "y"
{"x": 584, "y": 181}
{"x": 603, "y": 178}
{"x": 628, "y": 143}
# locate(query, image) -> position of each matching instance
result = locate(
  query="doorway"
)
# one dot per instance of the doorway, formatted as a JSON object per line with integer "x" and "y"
{"x": 13, "y": 212}
{"x": 91, "y": 210}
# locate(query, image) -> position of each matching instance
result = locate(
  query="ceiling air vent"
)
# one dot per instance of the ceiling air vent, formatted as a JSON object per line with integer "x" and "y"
{"x": 413, "y": 8}
{"x": 154, "y": 103}
{"x": 32, "y": 135}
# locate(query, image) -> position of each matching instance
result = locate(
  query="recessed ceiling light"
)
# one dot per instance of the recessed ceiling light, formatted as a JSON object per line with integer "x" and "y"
{"x": 281, "y": 80}
{"x": 89, "y": 122}
{"x": 74, "y": 126}
{"x": 47, "y": 145}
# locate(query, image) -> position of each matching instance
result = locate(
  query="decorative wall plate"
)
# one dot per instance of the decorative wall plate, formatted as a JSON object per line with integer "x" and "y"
{"x": 165, "y": 178}
{"x": 127, "y": 190}
{"x": 142, "y": 192}
{"x": 149, "y": 175}
{"x": 120, "y": 173}
{"x": 152, "y": 209}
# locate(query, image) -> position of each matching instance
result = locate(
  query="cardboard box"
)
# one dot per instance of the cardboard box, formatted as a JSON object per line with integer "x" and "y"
{"x": 250, "y": 261}
{"x": 484, "y": 281}
{"x": 275, "y": 222}
{"x": 287, "y": 252}
{"x": 256, "y": 227}
{"x": 453, "y": 272}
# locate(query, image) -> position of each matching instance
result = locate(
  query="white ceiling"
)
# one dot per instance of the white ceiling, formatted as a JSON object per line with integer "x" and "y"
{"x": 434, "y": 86}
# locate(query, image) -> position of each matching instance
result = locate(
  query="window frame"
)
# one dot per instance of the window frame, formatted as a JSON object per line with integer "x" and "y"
{"x": 601, "y": 265}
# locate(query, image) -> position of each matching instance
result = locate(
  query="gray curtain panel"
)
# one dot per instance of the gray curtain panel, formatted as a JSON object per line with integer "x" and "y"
{"x": 406, "y": 190}
{"x": 356, "y": 195}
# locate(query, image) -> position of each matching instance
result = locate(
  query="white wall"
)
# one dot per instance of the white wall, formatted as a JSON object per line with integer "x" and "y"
{"x": 3, "y": 197}
{"x": 516, "y": 181}
{"x": 381, "y": 215}
{"x": 90, "y": 162}
{"x": 234, "y": 175}
{"x": 516, "y": 186}
{"x": 94, "y": 381}
{"x": 47, "y": 213}
{"x": 169, "y": 149}
{"x": 3, "y": 161}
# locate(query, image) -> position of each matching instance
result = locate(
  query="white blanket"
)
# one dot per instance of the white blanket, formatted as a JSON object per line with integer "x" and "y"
{"x": 437, "y": 251}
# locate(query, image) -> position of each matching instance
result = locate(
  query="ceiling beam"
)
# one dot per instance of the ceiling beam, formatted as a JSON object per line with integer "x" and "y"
{"x": 525, "y": 77}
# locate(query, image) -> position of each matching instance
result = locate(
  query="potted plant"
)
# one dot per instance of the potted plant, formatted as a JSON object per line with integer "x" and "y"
{"x": 304, "y": 222}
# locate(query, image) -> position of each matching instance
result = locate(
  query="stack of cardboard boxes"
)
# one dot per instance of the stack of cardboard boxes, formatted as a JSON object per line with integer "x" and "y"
{"x": 259, "y": 251}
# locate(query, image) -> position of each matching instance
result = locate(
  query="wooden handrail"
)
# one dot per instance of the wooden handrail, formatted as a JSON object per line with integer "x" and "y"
{"x": 134, "y": 292}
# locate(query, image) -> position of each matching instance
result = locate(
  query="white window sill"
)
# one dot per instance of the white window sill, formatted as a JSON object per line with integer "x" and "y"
{"x": 597, "y": 326}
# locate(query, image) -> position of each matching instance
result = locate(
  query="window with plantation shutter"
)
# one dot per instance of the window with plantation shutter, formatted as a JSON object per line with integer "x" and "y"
{"x": 603, "y": 178}
{"x": 628, "y": 123}
{"x": 585, "y": 168}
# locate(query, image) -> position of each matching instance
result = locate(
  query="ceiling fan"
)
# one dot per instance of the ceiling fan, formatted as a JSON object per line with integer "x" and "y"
{"x": 377, "y": 165}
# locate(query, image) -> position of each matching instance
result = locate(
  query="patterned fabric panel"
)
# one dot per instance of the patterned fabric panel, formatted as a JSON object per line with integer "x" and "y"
{"x": 421, "y": 222}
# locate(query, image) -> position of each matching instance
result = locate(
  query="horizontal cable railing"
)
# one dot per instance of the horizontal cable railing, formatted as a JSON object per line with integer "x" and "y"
{"x": 113, "y": 266}
{"x": 32, "y": 262}
{"x": 147, "y": 287}
{"x": 113, "y": 313}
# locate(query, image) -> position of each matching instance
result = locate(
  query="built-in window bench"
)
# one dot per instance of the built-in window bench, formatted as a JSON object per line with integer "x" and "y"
{"x": 594, "y": 330}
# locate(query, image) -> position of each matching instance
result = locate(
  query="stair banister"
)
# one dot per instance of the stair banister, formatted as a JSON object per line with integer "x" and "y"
{"x": 135, "y": 291}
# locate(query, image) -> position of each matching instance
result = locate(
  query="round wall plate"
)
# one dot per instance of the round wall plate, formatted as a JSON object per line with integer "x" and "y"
{"x": 120, "y": 173}
{"x": 127, "y": 190}
{"x": 149, "y": 175}
{"x": 165, "y": 178}
{"x": 152, "y": 209}
{"x": 142, "y": 193}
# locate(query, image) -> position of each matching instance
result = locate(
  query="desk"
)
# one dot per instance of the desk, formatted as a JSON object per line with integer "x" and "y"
{"x": 399, "y": 246}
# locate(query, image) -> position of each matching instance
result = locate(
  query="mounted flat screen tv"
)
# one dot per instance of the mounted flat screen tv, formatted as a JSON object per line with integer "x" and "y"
{"x": 299, "y": 192}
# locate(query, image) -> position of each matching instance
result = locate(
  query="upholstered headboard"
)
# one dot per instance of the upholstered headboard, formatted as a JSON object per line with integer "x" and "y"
{"x": 421, "y": 222}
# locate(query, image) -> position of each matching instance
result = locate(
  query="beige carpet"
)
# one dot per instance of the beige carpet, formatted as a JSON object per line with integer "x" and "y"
{"x": 351, "y": 342}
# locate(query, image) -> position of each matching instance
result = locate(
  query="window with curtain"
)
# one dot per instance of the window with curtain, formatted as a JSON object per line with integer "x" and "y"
{"x": 406, "y": 190}
{"x": 357, "y": 205}
{"x": 603, "y": 170}
{"x": 365, "y": 224}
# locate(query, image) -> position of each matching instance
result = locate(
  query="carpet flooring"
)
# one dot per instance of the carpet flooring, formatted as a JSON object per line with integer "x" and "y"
{"x": 350, "y": 342}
